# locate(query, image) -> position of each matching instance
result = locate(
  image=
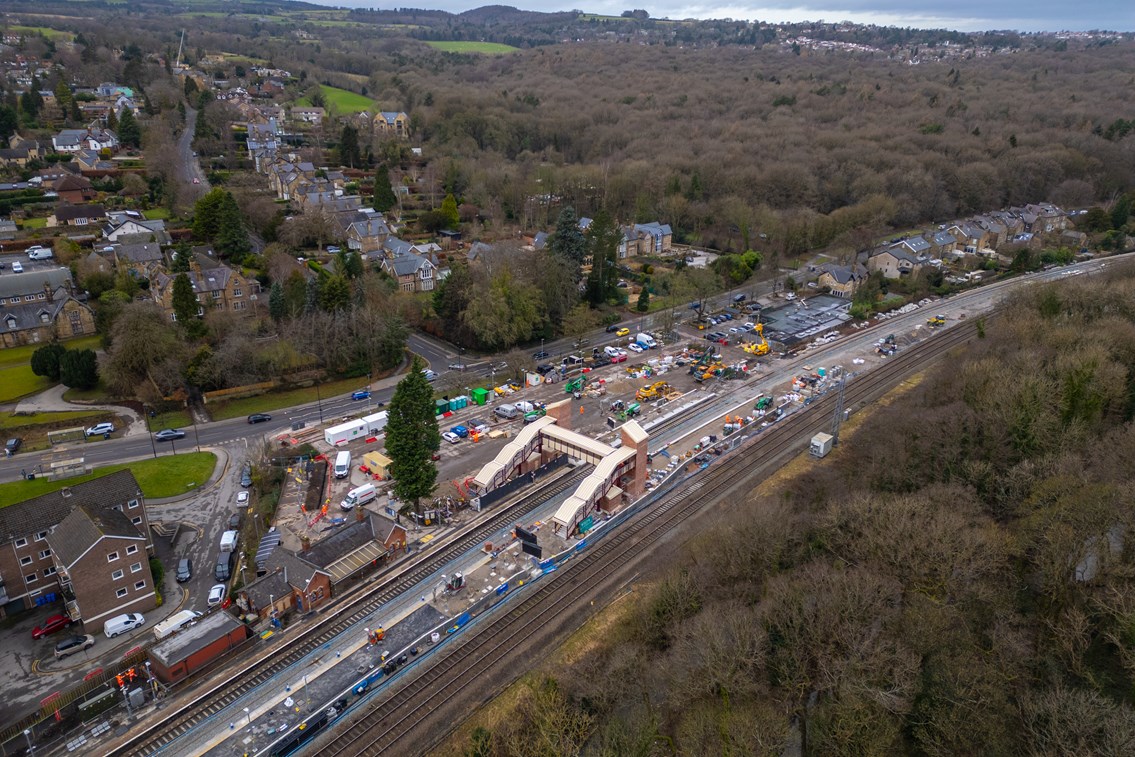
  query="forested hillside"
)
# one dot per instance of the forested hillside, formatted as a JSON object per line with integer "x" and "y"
{"x": 957, "y": 580}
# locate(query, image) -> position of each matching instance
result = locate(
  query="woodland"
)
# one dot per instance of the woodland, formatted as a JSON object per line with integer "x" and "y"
{"x": 956, "y": 579}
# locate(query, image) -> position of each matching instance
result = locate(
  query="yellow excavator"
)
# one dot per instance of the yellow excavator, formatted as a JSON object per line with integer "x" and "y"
{"x": 652, "y": 391}
{"x": 758, "y": 348}
{"x": 936, "y": 321}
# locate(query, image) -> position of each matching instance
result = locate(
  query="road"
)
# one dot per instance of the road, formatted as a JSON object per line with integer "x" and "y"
{"x": 188, "y": 166}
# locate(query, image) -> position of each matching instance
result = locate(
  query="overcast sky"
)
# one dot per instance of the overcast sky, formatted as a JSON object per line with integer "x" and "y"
{"x": 963, "y": 15}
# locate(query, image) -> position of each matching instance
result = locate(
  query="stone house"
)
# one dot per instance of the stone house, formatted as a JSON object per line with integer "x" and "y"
{"x": 413, "y": 272}
{"x": 395, "y": 124}
{"x": 76, "y": 215}
{"x": 893, "y": 262}
{"x": 842, "y": 280}
{"x": 74, "y": 189}
{"x": 39, "y": 306}
{"x": 216, "y": 285}
{"x": 368, "y": 236}
{"x": 289, "y": 582}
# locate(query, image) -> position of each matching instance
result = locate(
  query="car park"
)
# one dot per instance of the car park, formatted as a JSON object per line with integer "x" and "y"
{"x": 54, "y": 624}
{"x": 169, "y": 434}
{"x": 216, "y": 595}
{"x": 736, "y": 330}
{"x": 451, "y": 437}
{"x": 259, "y": 418}
{"x": 12, "y": 445}
{"x": 360, "y": 395}
{"x": 184, "y": 570}
{"x": 72, "y": 645}
{"x": 100, "y": 429}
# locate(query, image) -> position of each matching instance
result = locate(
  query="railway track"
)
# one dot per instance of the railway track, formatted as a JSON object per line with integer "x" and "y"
{"x": 246, "y": 676}
{"x": 412, "y": 715}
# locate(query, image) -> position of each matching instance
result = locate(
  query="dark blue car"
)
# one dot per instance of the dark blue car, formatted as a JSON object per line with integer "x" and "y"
{"x": 460, "y": 431}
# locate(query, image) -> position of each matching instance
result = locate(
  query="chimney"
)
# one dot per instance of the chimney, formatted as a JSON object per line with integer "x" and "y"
{"x": 360, "y": 516}
{"x": 305, "y": 542}
{"x": 47, "y": 290}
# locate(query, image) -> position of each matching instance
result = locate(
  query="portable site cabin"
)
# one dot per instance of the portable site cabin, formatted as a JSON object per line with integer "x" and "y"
{"x": 359, "y": 428}
{"x": 377, "y": 463}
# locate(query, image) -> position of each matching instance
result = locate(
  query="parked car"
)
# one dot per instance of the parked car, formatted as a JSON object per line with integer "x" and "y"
{"x": 332, "y": 249}
{"x": 216, "y": 595}
{"x": 17, "y": 267}
{"x": 478, "y": 425}
{"x": 184, "y": 570}
{"x": 242, "y": 498}
{"x": 451, "y": 437}
{"x": 169, "y": 434}
{"x": 12, "y": 445}
{"x": 634, "y": 347}
{"x": 52, "y": 625}
{"x": 457, "y": 366}
{"x": 234, "y": 519}
{"x": 259, "y": 418}
{"x": 430, "y": 375}
{"x": 360, "y": 395}
{"x": 72, "y": 645}
{"x": 246, "y": 475}
{"x": 460, "y": 431}
{"x": 540, "y": 355}
{"x": 99, "y": 429}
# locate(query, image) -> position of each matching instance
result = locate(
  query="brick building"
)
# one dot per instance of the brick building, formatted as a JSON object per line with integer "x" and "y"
{"x": 195, "y": 647}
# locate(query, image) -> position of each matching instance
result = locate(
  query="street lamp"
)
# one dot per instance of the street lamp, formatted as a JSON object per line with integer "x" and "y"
{"x": 319, "y": 399}
{"x": 150, "y": 431}
{"x": 196, "y": 438}
{"x": 28, "y": 736}
{"x": 248, "y": 715}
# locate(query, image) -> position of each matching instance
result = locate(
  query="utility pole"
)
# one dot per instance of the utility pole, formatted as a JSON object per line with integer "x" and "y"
{"x": 837, "y": 419}
{"x": 179, "y": 47}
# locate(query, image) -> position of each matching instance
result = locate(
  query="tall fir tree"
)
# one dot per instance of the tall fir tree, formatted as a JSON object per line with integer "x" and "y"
{"x": 184, "y": 300}
{"x": 412, "y": 437}
{"x": 384, "y": 197}
{"x": 129, "y": 133}
{"x": 277, "y": 303}
{"x": 567, "y": 240}
{"x": 449, "y": 210}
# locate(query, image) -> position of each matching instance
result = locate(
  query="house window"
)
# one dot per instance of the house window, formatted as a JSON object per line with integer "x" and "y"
{"x": 41, "y": 536}
{"x": 49, "y": 571}
{"x": 137, "y": 522}
{"x": 41, "y": 296}
{"x": 133, "y": 548}
{"x": 135, "y": 567}
{"x": 139, "y": 585}
{"x": 21, "y": 542}
{"x": 26, "y": 560}
{"x": 11, "y": 323}
{"x": 31, "y": 578}
{"x": 132, "y": 504}
{"x": 29, "y": 298}
{"x": 237, "y": 293}
{"x": 44, "y": 318}
{"x": 120, "y": 593}
{"x": 112, "y": 557}
{"x": 116, "y": 575}
{"x": 44, "y": 554}
{"x": 216, "y": 295}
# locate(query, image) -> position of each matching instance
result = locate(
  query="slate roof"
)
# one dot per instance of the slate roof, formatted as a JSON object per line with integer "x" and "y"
{"x": 149, "y": 252}
{"x": 372, "y": 227}
{"x": 407, "y": 264}
{"x": 345, "y": 540}
{"x": 43, "y": 512}
{"x": 917, "y": 245}
{"x": 32, "y": 282}
{"x": 944, "y": 239}
{"x": 28, "y": 315}
{"x": 844, "y": 274}
{"x": 84, "y": 526}
{"x": 65, "y": 213}
{"x": 389, "y": 116}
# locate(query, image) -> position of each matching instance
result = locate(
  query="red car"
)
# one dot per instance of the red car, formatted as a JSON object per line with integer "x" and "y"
{"x": 51, "y": 625}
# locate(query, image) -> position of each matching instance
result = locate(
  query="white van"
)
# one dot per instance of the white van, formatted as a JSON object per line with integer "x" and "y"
{"x": 40, "y": 253}
{"x": 120, "y": 624}
{"x": 360, "y": 496}
{"x": 343, "y": 464}
{"x": 508, "y": 412}
{"x": 646, "y": 340}
{"x": 228, "y": 541}
{"x": 525, "y": 407}
{"x": 175, "y": 623}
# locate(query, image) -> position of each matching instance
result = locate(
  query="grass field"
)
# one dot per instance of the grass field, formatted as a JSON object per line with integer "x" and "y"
{"x": 49, "y": 33}
{"x": 41, "y": 419}
{"x": 266, "y": 403}
{"x": 343, "y": 102}
{"x": 33, "y": 223}
{"x": 34, "y": 427}
{"x": 166, "y": 476}
{"x": 23, "y": 355}
{"x": 487, "y": 48}
{"x": 174, "y": 419}
{"x": 19, "y": 381}
{"x": 156, "y": 214}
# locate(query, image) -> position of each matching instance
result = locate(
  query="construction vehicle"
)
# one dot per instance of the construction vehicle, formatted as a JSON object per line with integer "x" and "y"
{"x": 706, "y": 356}
{"x": 630, "y": 411}
{"x": 573, "y": 386}
{"x": 763, "y": 403}
{"x": 652, "y": 391}
{"x": 936, "y": 321}
{"x": 758, "y": 348}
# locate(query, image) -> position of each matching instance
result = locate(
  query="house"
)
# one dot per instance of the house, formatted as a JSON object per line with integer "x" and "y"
{"x": 915, "y": 246}
{"x": 392, "y": 124}
{"x": 942, "y": 243}
{"x": 893, "y": 262}
{"x": 308, "y": 115}
{"x": 368, "y": 236}
{"x": 216, "y": 285}
{"x": 653, "y": 238}
{"x": 76, "y": 215}
{"x": 101, "y": 558}
{"x": 354, "y": 551}
{"x": 30, "y": 569}
{"x": 196, "y": 646}
{"x": 38, "y": 306}
{"x": 93, "y": 137}
{"x": 413, "y": 272}
{"x": 289, "y": 582}
{"x": 841, "y": 280}
{"x": 143, "y": 258}
{"x": 74, "y": 189}
{"x": 20, "y": 152}
{"x": 7, "y": 229}
{"x": 133, "y": 228}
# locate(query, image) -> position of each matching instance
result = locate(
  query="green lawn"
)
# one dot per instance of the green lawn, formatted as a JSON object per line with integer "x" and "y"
{"x": 45, "y": 31}
{"x": 33, "y": 223}
{"x": 266, "y": 403}
{"x": 489, "y": 48}
{"x": 33, "y": 428}
{"x": 156, "y": 214}
{"x": 165, "y": 476}
{"x": 19, "y": 381}
{"x": 98, "y": 395}
{"x": 39, "y": 419}
{"x": 23, "y": 355}
{"x": 343, "y": 101}
{"x": 173, "y": 419}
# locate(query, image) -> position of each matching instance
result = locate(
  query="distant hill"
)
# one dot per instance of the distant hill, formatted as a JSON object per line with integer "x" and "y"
{"x": 490, "y": 15}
